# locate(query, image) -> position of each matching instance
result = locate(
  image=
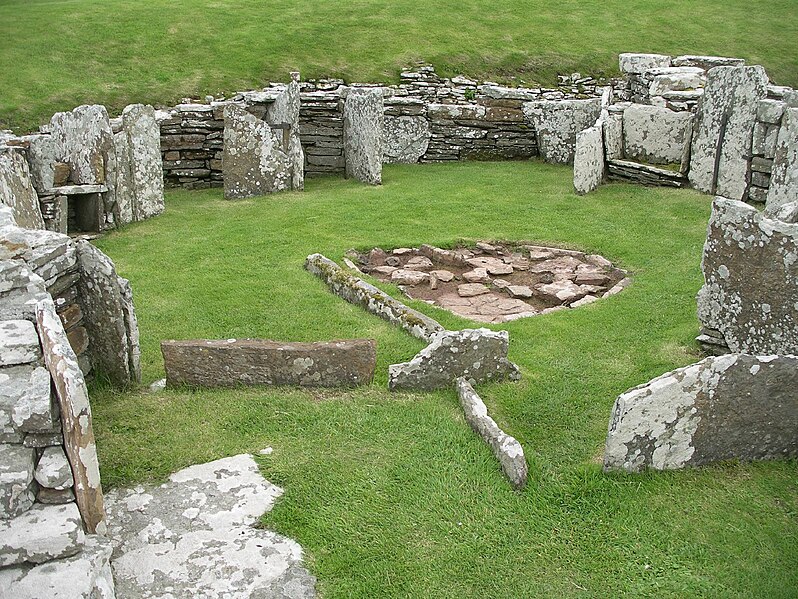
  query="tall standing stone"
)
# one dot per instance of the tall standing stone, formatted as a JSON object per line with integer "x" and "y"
{"x": 723, "y": 129}
{"x": 285, "y": 111}
{"x": 557, "y": 123}
{"x": 589, "y": 159}
{"x": 83, "y": 139}
{"x": 146, "y": 167}
{"x": 17, "y": 191}
{"x": 784, "y": 178}
{"x": 363, "y": 133}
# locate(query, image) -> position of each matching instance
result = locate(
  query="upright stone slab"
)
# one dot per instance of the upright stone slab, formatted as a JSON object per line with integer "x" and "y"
{"x": 234, "y": 362}
{"x": 41, "y": 159}
{"x": 723, "y": 130}
{"x": 589, "y": 159}
{"x": 123, "y": 190}
{"x": 405, "y": 139}
{"x": 255, "y": 160}
{"x": 285, "y": 111}
{"x": 16, "y": 189}
{"x": 145, "y": 163}
{"x": 656, "y": 135}
{"x": 557, "y": 123}
{"x": 736, "y": 406}
{"x": 750, "y": 293}
{"x": 73, "y": 397}
{"x": 363, "y": 134}
{"x": 784, "y": 177}
{"x": 477, "y": 355}
{"x": 106, "y": 304}
{"x": 83, "y": 139}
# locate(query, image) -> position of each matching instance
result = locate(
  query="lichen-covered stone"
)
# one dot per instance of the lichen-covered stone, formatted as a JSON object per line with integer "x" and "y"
{"x": 41, "y": 534}
{"x": 41, "y": 159}
{"x": 195, "y": 536}
{"x": 25, "y": 403}
{"x": 19, "y": 343}
{"x": 363, "y": 134}
{"x": 723, "y": 130}
{"x": 674, "y": 79}
{"x": 656, "y": 135}
{"x": 255, "y": 161}
{"x": 405, "y": 139}
{"x": 784, "y": 176}
{"x": 145, "y": 165}
{"x": 557, "y": 123}
{"x": 750, "y": 292}
{"x": 17, "y": 191}
{"x": 478, "y": 355}
{"x": 637, "y": 63}
{"x": 589, "y": 159}
{"x": 506, "y": 448}
{"x": 706, "y": 62}
{"x": 16, "y": 476}
{"x": 53, "y": 470}
{"x": 84, "y": 140}
{"x": 285, "y": 111}
{"x": 736, "y": 406}
{"x": 234, "y": 362}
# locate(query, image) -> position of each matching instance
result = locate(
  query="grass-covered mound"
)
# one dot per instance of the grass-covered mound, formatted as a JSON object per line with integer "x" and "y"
{"x": 392, "y": 495}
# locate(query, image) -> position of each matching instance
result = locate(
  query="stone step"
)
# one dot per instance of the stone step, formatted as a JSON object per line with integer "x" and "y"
{"x": 19, "y": 343}
{"x": 43, "y": 533}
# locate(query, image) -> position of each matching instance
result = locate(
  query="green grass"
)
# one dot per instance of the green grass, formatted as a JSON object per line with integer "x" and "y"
{"x": 58, "y": 54}
{"x": 392, "y": 495}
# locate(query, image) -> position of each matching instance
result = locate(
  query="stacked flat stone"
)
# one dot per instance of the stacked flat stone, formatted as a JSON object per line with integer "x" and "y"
{"x": 322, "y": 131}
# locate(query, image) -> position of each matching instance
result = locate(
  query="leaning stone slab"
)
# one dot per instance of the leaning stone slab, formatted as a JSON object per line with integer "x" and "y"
{"x": 86, "y": 575}
{"x": 506, "y": 449}
{"x": 636, "y": 63}
{"x": 479, "y": 355}
{"x": 750, "y": 292}
{"x": 16, "y": 476}
{"x": 73, "y": 398}
{"x": 17, "y": 191}
{"x": 557, "y": 123}
{"x": 363, "y": 134}
{"x": 255, "y": 161}
{"x": 784, "y": 177}
{"x": 589, "y": 159}
{"x": 195, "y": 535}
{"x": 736, "y": 406}
{"x": 723, "y": 130}
{"x": 43, "y": 533}
{"x": 84, "y": 140}
{"x": 405, "y": 139}
{"x": 357, "y": 291}
{"x": 19, "y": 343}
{"x": 204, "y": 363}
{"x": 656, "y": 135}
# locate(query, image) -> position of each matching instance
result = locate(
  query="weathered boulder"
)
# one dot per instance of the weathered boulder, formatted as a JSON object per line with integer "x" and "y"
{"x": 16, "y": 476}
{"x": 478, "y": 355}
{"x": 195, "y": 536}
{"x": 234, "y": 362}
{"x": 53, "y": 470}
{"x": 41, "y": 534}
{"x": 19, "y": 343}
{"x": 405, "y": 139}
{"x": 784, "y": 176}
{"x": 657, "y": 135}
{"x": 255, "y": 159}
{"x": 723, "y": 130}
{"x": 363, "y": 134}
{"x": 589, "y": 159}
{"x": 84, "y": 140}
{"x": 736, "y": 406}
{"x": 17, "y": 191}
{"x": 750, "y": 292}
{"x": 506, "y": 449}
{"x": 557, "y": 123}
{"x": 637, "y": 63}
{"x": 145, "y": 176}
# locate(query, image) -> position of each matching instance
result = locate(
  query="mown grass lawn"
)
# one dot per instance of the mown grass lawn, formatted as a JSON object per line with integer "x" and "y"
{"x": 392, "y": 495}
{"x": 56, "y": 54}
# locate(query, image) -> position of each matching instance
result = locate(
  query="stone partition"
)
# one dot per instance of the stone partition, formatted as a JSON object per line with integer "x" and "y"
{"x": 363, "y": 135}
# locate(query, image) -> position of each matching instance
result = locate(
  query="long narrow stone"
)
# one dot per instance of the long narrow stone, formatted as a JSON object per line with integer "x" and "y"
{"x": 363, "y": 134}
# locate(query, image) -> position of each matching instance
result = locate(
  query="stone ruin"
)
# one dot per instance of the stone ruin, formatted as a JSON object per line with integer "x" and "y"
{"x": 495, "y": 283}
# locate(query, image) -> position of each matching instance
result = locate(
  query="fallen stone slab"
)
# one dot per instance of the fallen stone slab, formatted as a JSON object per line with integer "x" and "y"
{"x": 205, "y": 363}
{"x": 19, "y": 343}
{"x": 41, "y": 534}
{"x": 363, "y": 134}
{"x": 784, "y": 176}
{"x": 195, "y": 536}
{"x": 750, "y": 292}
{"x": 736, "y": 406}
{"x": 357, "y": 291}
{"x": 557, "y": 123}
{"x": 86, "y": 575}
{"x": 479, "y": 355}
{"x": 506, "y": 449}
{"x": 16, "y": 476}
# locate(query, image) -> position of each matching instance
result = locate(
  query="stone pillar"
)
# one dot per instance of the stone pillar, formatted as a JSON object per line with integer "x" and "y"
{"x": 363, "y": 134}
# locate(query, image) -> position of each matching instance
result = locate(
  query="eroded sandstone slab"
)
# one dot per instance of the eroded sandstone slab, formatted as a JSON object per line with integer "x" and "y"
{"x": 363, "y": 134}
{"x": 557, "y": 123}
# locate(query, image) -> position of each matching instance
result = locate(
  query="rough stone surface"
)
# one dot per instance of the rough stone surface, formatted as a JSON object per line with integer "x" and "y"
{"x": 19, "y": 343}
{"x": 363, "y": 134}
{"x": 41, "y": 159}
{"x": 86, "y": 575}
{"x": 589, "y": 160}
{"x": 194, "y": 536}
{"x": 723, "y": 130}
{"x": 146, "y": 167}
{"x": 405, "y": 139}
{"x": 284, "y": 111}
{"x": 656, "y": 135}
{"x": 16, "y": 476}
{"x": 234, "y": 362}
{"x": 41, "y": 534}
{"x": 25, "y": 403}
{"x": 707, "y": 62}
{"x": 76, "y": 423}
{"x": 255, "y": 161}
{"x": 736, "y": 406}
{"x": 506, "y": 449}
{"x": 784, "y": 176}
{"x": 84, "y": 140}
{"x": 53, "y": 470}
{"x": 106, "y": 301}
{"x": 479, "y": 355}
{"x": 750, "y": 292}
{"x": 557, "y": 123}
{"x": 636, "y": 63}
{"x": 674, "y": 79}
{"x": 17, "y": 191}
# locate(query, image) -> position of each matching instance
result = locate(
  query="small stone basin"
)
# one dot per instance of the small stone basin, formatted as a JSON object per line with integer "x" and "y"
{"x": 495, "y": 282}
